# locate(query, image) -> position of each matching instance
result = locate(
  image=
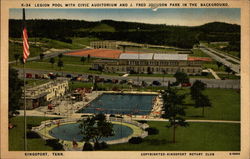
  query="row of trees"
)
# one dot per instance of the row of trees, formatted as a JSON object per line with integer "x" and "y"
{"x": 179, "y": 36}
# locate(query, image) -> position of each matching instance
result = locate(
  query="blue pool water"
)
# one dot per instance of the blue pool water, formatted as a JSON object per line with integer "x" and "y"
{"x": 135, "y": 104}
{"x": 71, "y": 132}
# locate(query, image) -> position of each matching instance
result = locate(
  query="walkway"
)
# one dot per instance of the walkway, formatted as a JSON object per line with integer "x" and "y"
{"x": 37, "y": 113}
{"x": 214, "y": 73}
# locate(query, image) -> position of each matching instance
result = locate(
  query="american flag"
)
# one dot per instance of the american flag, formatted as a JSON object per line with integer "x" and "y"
{"x": 26, "y": 51}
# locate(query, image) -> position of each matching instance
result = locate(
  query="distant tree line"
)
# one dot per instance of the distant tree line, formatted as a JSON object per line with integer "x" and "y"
{"x": 160, "y": 34}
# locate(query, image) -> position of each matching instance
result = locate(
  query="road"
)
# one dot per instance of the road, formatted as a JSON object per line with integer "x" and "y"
{"x": 211, "y": 83}
{"x": 233, "y": 63}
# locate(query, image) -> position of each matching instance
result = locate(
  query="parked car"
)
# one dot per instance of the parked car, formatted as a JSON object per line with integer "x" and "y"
{"x": 37, "y": 76}
{"x": 69, "y": 76}
{"x": 123, "y": 81}
{"x": 107, "y": 81}
{"x": 28, "y": 75}
{"x": 144, "y": 84}
{"x": 114, "y": 81}
{"x": 156, "y": 83}
{"x": 186, "y": 84}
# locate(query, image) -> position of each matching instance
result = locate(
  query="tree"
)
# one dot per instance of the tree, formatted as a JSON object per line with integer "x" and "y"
{"x": 163, "y": 72}
{"x": 21, "y": 60}
{"x": 95, "y": 128}
{"x": 219, "y": 64}
{"x": 52, "y": 61}
{"x": 89, "y": 57}
{"x": 83, "y": 59}
{"x": 60, "y": 55}
{"x": 196, "y": 89}
{"x": 60, "y": 64}
{"x": 15, "y": 91}
{"x": 16, "y": 56}
{"x": 181, "y": 77}
{"x": 41, "y": 56}
{"x": 202, "y": 101}
{"x": 174, "y": 111}
{"x": 228, "y": 70}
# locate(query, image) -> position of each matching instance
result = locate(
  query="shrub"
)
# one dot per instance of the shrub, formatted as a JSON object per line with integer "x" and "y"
{"x": 87, "y": 147}
{"x": 152, "y": 131}
{"x": 97, "y": 146}
{"x": 142, "y": 121}
{"x": 135, "y": 140}
{"x": 204, "y": 73}
{"x": 32, "y": 135}
{"x": 54, "y": 143}
{"x": 29, "y": 126}
{"x": 104, "y": 145}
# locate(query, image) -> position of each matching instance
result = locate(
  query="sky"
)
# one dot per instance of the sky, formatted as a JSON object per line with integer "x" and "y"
{"x": 168, "y": 16}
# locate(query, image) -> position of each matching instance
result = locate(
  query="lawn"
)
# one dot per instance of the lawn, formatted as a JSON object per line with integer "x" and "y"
{"x": 83, "y": 41}
{"x": 74, "y": 65}
{"x": 17, "y": 48}
{"x": 213, "y": 66}
{"x": 217, "y": 46}
{"x": 226, "y": 76}
{"x": 198, "y": 53}
{"x": 195, "y": 137}
{"x": 225, "y": 105}
{"x": 35, "y": 82}
{"x": 43, "y": 44}
{"x": 16, "y": 135}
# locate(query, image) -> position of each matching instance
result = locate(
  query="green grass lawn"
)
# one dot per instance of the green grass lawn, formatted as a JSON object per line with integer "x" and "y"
{"x": 225, "y": 105}
{"x": 217, "y": 47}
{"x": 74, "y": 65}
{"x": 17, "y": 48}
{"x": 226, "y": 76}
{"x": 198, "y": 53}
{"x": 16, "y": 135}
{"x": 195, "y": 137}
{"x": 83, "y": 41}
{"x": 213, "y": 66}
{"x": 35, "y": 82}
{"x": 44, "y": 44}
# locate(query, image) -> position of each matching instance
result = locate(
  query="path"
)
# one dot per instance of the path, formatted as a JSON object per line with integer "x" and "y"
{"x": 41, "y": 114}
{"x": 214, "y": 74}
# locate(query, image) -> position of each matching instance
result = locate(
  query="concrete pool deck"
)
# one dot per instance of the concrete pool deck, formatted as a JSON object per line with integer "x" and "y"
{"x": 46, "y": 126}
{"x": 66, "y": 108}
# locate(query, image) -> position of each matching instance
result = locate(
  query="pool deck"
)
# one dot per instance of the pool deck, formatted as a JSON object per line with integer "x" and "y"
{"x": 69, "y": 108}
{"x": 46, "y": 126}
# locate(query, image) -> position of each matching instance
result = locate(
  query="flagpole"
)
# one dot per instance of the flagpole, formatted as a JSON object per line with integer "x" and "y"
{"x": 24, "y": 80}
{"x": 25, "y": 119}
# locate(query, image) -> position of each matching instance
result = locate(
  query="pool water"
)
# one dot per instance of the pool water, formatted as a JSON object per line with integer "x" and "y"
{"x": 72, "y": 132}
{"x": 134, "y": 104}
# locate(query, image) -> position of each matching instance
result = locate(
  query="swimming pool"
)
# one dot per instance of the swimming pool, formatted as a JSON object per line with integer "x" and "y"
{"x": 70, "y": 132}
{"x": 110, "y": 103}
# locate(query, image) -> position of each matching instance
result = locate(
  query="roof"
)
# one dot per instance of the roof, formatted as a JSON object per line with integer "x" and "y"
{"x": 170, "y": 56}
{"x": 199, "y": 59}
{"x": 147, "y": 56}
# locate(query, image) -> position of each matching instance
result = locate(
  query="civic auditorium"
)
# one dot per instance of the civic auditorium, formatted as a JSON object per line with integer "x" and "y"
{"x": 149, "y": 63}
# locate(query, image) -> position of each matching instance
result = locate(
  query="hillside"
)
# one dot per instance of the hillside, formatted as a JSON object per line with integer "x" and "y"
{"x": 179, "y": 36}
